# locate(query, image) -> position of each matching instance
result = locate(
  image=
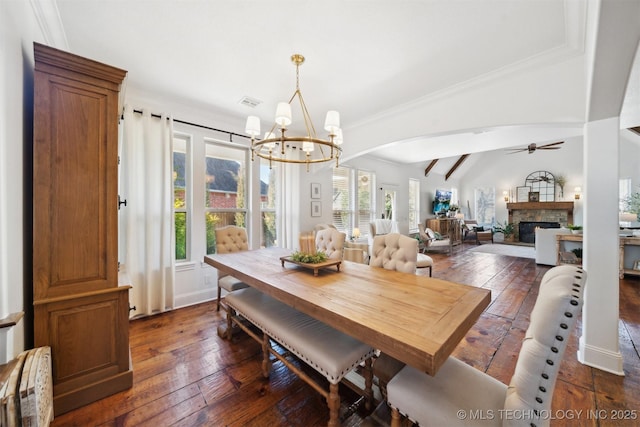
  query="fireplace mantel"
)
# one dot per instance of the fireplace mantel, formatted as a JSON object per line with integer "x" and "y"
{"x": 567, "y": 206}
{"x": 541, "y": 206}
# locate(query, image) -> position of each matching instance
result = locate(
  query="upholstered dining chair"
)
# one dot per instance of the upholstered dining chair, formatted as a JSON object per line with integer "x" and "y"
{"x": 458, "y": 388}
{"x": 331, "y": 242}
{"x": 230, "y": 239}
{"x": 379, "y": 227}
{"x": 395, "y": 251}
{"x": 431, "y": 241}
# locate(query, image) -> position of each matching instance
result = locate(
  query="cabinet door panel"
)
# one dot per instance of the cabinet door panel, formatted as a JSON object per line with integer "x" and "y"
{"x": 75, "y": 249}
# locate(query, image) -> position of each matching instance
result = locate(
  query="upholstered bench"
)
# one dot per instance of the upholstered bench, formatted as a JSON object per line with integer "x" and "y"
{"x": 329, "y": 351}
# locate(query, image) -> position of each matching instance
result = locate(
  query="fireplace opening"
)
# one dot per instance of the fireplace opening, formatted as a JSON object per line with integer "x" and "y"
{"x": 527, "y": 229}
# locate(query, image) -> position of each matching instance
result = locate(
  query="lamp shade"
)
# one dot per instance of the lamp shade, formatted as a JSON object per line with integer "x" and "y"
{"x": 283, "y": 114}
{"x": 253, "y": 126}
{"x": 269, "y": 135}
{"x": 332, "y": 122}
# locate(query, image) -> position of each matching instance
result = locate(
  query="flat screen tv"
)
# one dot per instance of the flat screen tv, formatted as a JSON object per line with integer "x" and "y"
{"x": 441, "y": 201}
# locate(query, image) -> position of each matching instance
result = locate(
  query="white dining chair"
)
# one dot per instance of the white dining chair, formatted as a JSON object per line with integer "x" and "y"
{"x": 460, "y": 395}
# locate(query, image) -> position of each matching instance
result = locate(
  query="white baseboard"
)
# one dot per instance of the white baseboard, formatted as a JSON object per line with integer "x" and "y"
{"x": 193, "y": 298}
{"x": 600, "y": 358}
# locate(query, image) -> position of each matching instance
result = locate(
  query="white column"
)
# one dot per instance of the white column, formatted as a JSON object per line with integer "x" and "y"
{"x": 599, "y": 341}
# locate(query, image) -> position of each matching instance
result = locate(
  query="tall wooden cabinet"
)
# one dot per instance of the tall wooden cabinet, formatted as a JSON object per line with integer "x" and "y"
{"x": 80, "y": 310}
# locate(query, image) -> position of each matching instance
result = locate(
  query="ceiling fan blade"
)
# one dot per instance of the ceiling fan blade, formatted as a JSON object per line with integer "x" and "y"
{"x": 552, "y": 144}
{"x": 549, "y": 148}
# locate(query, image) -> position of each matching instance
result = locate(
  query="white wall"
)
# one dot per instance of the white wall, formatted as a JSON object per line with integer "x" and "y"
{"x": 18, "y": 30}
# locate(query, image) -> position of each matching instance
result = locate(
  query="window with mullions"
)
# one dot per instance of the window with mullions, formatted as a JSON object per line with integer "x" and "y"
{"x": 342, "y": 200}
{"x": 180, "y": 164}
{"x": 353, "y": 199}
{"x": 365, "y": 199}
{"x": 225, "y": 189}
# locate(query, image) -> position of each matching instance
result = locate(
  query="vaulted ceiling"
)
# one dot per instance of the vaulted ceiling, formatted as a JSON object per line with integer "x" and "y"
{"x": 465, "y": 76}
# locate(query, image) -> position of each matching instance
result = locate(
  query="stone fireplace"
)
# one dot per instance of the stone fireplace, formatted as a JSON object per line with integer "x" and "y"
{"x": 560, "y": 213}
{"x": 527, "y": 229}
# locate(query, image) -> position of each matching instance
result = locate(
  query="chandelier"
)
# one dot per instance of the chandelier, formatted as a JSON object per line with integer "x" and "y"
{"x": 316, "y": 150}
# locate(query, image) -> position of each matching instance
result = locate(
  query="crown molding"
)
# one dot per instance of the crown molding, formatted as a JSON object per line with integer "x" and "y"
{"x": 48, "y": 18}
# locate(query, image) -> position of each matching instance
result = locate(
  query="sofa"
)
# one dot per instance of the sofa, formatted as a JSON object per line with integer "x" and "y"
{"x": 546, "y": 252}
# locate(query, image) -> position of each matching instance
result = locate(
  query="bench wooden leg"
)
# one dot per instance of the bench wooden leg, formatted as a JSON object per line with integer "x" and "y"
{"x": 266, "y": 353}
{"x": 230, "y": 313}
{"x": 333, "y": 401}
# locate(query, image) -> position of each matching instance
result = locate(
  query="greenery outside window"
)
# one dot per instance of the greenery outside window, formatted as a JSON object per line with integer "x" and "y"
{"x": 268, "y": 204}
{"x": 180, "y": 194}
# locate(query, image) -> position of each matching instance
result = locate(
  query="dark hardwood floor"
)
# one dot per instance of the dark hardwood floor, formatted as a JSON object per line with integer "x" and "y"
{"x": 185, "y": 375}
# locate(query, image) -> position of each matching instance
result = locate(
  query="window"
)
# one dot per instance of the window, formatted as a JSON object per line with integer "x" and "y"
{"x": 624, "y": 192}
{"x": 268, "y": 204}
{"x": 180, "y": 204}
{"x": 225, "y": 189}
{"x": 414, "y": 205}
{"x": 389, "y": 204}
{"x": 349, "y": 193}
{"x": 342, "y": 203}
{"x": 366, "y": 210}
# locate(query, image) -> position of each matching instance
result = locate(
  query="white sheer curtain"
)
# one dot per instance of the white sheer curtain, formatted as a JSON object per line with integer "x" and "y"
{"x": 288, "y": 205}
{"x": 147, "y": 185}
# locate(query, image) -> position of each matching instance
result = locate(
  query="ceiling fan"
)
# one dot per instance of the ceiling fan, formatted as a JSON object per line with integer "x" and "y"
{"x": 533, "y": 147}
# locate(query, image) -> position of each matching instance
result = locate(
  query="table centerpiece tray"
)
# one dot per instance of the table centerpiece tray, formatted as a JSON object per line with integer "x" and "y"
{"x": 312, "y": 266}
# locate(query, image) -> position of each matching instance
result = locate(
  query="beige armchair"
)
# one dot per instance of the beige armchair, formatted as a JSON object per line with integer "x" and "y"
{"x": 230, "y": 239}
{"x": 457, "y": 386}
{"x": 431, "y": 242}
{"x": 331, "y": 242}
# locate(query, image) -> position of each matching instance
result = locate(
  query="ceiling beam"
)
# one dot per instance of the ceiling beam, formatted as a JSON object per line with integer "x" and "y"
{"x": 431, "y": 165}
{"x": 454, "y": 167}
{"x": 636, "y": 130}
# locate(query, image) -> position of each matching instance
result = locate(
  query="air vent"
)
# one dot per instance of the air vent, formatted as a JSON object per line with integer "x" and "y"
{"x": 250, "y": 102}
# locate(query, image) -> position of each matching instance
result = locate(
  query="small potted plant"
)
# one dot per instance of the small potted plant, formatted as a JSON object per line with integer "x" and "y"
{"x": 575, "y": 229}
{"x": 508, "y": 229}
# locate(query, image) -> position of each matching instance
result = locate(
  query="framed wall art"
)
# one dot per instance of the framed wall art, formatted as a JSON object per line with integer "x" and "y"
{"x": 315, "y": 190}
{"x": 522, "y": 194}
{"x": 316, "y": 209}
{"x": 534, "y": 196}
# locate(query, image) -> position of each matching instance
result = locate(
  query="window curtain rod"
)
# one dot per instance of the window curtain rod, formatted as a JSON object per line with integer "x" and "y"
{"x": 231, "y": 134}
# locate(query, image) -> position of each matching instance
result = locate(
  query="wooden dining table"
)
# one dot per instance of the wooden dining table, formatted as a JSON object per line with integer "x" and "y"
{"x": 416, "y": 319}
